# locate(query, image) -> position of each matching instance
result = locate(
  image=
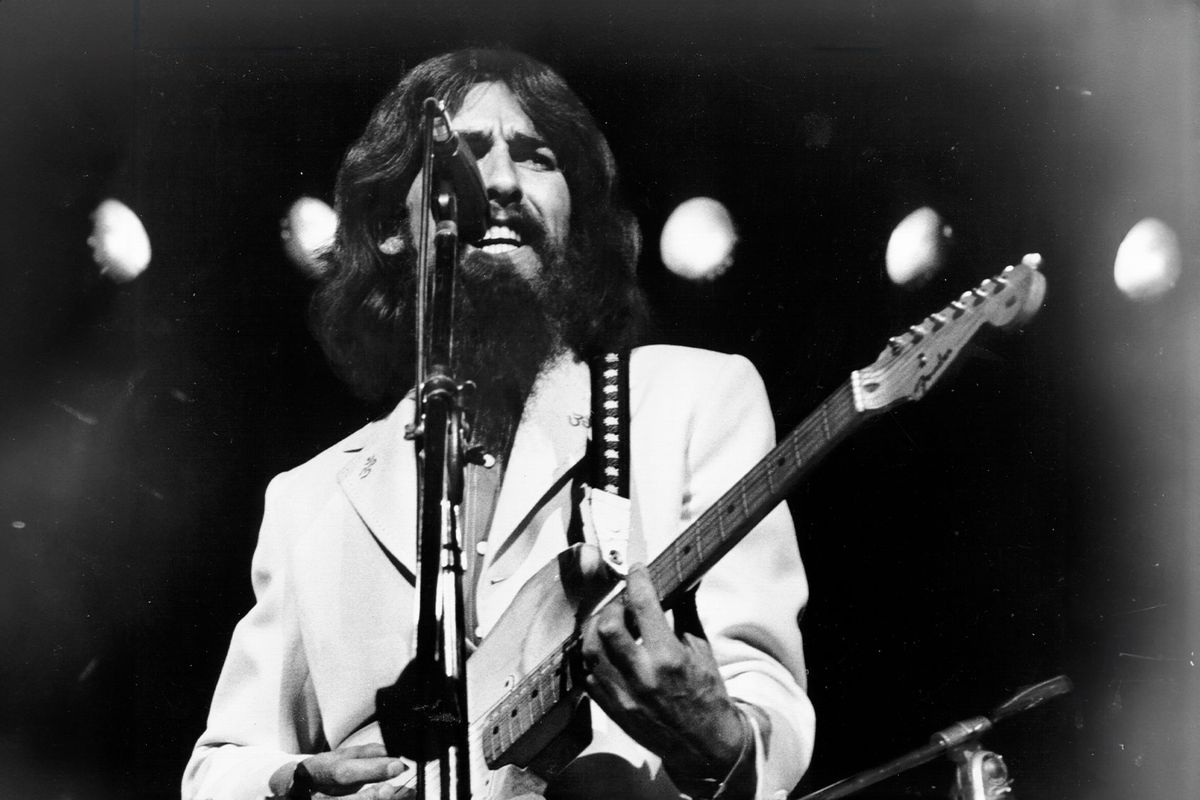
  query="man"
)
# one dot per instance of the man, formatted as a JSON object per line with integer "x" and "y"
{"x": 550, "y": 284}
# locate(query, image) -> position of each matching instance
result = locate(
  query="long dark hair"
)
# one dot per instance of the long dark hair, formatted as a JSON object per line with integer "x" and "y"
{"x": 360, "y": 311}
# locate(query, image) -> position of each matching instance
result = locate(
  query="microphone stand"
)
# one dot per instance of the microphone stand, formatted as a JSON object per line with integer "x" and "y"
{"x": 980, "y": 774}
{"x": 423, "y": 716}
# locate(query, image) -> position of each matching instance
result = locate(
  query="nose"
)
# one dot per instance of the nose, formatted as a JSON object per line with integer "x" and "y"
{"x": 500, "y": 177}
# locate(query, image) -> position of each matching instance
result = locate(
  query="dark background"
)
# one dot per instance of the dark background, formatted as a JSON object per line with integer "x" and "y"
{"x": 1034, "y": 516}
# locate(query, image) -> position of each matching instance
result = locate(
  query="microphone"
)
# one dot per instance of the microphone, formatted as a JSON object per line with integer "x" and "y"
{"x": 454, "y": 166}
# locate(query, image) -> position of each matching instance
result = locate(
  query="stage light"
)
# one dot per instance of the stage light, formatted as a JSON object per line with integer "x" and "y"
{"x": 119, "y": 242}
{"x": 916, "y": 250}
{"x": 306, "y": 231}
{"x": 1148, "y": 260}
{"x": 698, "y": 239}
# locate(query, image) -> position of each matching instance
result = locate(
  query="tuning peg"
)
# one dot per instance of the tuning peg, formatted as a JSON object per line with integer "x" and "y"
{"x": 977, "y": 296}
{"x": 959, "y": 309}
{"x": 1032, "y": 260}
{"x": 897, "y": 345}
{"x": 937, "y": 321}
{"x": 917, "y": 333}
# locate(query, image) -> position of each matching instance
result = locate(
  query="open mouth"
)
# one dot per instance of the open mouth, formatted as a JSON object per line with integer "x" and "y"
{"x": 500, "y": 239}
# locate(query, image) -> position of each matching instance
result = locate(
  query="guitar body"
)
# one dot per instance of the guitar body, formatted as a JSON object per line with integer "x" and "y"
{"x": 529, "y": 635}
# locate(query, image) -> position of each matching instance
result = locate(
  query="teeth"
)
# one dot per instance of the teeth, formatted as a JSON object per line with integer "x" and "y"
{"x": 501, "y": 233}
{"x": 496, "y": 249}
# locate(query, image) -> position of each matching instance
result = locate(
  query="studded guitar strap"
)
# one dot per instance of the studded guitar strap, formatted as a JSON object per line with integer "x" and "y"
{"x": 609, "y": 471}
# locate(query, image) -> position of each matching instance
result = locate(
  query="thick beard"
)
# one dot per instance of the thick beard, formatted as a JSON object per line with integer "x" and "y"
{"x": 508, "y": 327}
{"x": 504, "y": 336}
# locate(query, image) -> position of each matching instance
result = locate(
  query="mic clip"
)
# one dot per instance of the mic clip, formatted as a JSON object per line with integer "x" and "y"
{"x": 458, "y": 185}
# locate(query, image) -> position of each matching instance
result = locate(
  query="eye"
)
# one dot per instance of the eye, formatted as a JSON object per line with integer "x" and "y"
{"x": 533, "y": 153}
{"x": 478, "y": 145}
{"x": 544, "y": 159}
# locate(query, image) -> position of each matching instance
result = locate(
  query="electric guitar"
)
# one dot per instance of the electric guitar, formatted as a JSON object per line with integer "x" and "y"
{"x": 525, "y": 682}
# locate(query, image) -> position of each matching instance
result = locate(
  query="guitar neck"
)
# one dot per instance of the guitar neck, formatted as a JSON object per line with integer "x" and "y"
{"x": 681, "y": 565}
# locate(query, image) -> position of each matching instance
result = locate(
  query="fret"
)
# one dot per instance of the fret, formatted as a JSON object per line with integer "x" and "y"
{"x": 538, "y": 697}
{"x": 697, "y": 554}
{"x": 816, "y": 437}
{"x": 746, "y": 490}
{"x": 770, "y": 473}
{"x": 676, "y": 561}
{"x": 700, "y": 543}
{"x": 794, "y": 443}
{"x": 824, "y": 411}
{"x": 757, "y": 492}
{"x": 656, "y": 575}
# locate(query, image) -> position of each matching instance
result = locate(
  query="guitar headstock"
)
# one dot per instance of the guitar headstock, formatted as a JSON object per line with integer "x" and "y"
{"x": 915, "y": 360}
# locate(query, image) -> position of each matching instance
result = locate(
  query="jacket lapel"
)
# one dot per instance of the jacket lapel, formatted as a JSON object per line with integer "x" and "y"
{"x": 380, "y": 483}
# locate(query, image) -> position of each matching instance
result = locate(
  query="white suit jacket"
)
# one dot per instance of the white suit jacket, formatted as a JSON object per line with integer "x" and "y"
{"x": 332, "y": 622}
